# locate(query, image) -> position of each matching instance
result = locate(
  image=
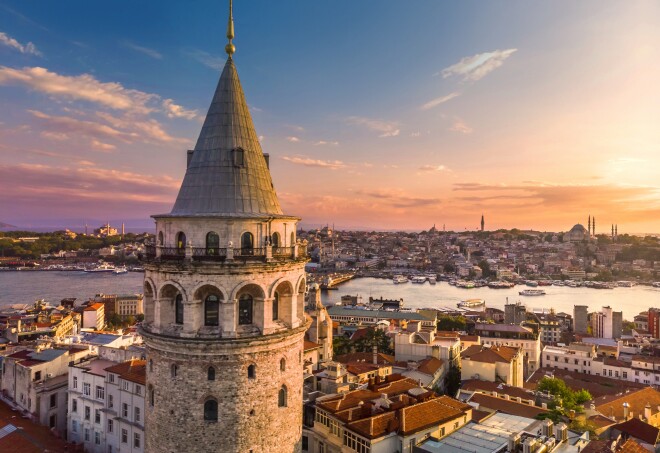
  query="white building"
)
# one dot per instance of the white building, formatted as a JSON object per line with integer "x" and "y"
{"x": 516, "y": 336}
{"x": 94, "y": 317}
{"x": 607, "y": 323}
{"x": 416, "y": 344}
{"x": 125, "y": 386}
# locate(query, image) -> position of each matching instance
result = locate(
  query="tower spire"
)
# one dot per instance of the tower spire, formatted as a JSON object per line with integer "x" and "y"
{"x": 230, "y": 48}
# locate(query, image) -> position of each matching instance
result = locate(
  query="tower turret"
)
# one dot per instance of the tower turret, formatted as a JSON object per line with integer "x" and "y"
{"x": 224, "y": 297}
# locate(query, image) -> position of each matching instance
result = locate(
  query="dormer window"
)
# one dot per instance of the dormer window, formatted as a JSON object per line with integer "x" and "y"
{"x": 238, "y": 157}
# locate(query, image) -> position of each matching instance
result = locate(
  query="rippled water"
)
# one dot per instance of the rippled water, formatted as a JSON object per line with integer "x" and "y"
{"x": 26, "y": 287}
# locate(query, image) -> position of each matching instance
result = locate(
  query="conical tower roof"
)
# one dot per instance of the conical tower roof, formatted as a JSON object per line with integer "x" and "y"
{"x": 227, "y": 175}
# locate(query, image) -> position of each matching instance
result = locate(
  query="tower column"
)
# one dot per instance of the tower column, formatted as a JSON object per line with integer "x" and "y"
{"x": 192, "y": 317}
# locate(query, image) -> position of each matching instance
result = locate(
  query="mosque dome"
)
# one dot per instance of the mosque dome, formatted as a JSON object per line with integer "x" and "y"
{"x": 579, "y": 228}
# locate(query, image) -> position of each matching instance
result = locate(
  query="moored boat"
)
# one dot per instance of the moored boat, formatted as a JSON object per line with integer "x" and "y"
{"x": 532, "y": 292}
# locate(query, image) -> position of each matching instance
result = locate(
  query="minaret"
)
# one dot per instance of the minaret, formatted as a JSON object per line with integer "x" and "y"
{"x": 593, "y": 225}
{"x": 616, "y": 231}
{"x": 224, "y": 308}
{"x": 482, "y": 222}
{"x": 612, "y": 231}
{"x": 589, "y": 226}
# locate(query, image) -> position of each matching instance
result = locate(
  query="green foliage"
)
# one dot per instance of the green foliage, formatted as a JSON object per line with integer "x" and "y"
{"x": 581, "y": 425}
{"x": 452, "y": 381}
{"x": 374, "y": 337}
{"x": 447, "y": 322}
{"x": 485, "y": 268}
{"x": 565, "y": 399}
{"x": 341, "y": 345}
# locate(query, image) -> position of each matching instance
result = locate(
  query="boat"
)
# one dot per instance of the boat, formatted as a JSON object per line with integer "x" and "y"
{"x": 464, "y": 284}
{"x": 602, "y": 285}
{"x": 500, "y": 285}
{"x": 531, "y": 283}
{"x": 472, "y": 303}
{"x": 120, "y": 270}
{"x": 100, "y": 268}
{"x": 656, "y": 284}
{"x": 532, "y": 292}
{"x": 432, "y": 279}
{"x": 545, "y": 282}
{"x": 400, "y": 279}
{"x": 625, "y": 284}
{"x": 418, "y": 279}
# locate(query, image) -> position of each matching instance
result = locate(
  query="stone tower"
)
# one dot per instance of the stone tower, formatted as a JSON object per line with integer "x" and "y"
{"x": 224, "y": 298}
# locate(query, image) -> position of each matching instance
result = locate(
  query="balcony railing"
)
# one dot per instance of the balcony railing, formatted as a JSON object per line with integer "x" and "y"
{"x": 153, "y": 252}
{"x": 282, "y": 252}
{"x": 250, "y": 252}
{"x": 209, "y": 254}
{"x": 172, "y": 253}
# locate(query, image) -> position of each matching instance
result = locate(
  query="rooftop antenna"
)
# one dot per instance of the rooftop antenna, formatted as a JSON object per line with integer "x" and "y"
{"x": 230, "y": 48}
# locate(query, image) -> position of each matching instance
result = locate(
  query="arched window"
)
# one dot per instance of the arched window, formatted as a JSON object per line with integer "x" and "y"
{"x": 276, "y": 306}
{"x": 160, "y": 238}
{"x": 281, "y": 397}
{"x": 275, "y": 239}
{"x": 210, "y": 374}
{"x": 212, "y": 243}
{"x": 282, "y": 364}
{"x": 252, "y": 371}
{"x": 293, "y": 239}
{"x": 211, "y": 410}
{"x": 247, "y": 243}
{"x": 151, "y": 395}
{"x": 181, "y": 240}
{"x": 245, "y": 309}
{"x": 178, "y": 309}
{"x": 174, "y": 369}
{"x": 212, "y": 310}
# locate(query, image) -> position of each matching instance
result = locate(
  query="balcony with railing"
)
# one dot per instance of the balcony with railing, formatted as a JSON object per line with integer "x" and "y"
{"x": 217, "y": 254}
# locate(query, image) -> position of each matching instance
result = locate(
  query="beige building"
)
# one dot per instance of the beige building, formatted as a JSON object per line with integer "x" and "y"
{"x": 385, "y": 417}
{"x": 494, "y": 364}
{"x": 94, "y": 316}
{"x": 417, "y": 344}
{"x": 514, "y": 336}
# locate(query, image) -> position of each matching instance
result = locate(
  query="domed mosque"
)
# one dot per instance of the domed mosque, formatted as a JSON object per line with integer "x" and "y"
{"x": 579, "y": 233}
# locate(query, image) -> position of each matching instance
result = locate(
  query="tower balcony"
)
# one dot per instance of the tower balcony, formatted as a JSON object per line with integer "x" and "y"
{"x": 156, "y": 253}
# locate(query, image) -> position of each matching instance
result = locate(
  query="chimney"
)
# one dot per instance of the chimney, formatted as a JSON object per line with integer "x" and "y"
{"x": 626, "y": 411}
{"x": 374, "y": 351}
{"x": 647, "y": 413}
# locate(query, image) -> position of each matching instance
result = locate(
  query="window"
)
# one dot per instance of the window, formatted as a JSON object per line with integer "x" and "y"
{"x": 138, "y": 390}
{"x": 212, "y": 243}
{"x": 282, "y": 364}
{"x": 210, "y": 374}
{"x": 151, "y": 395}
{"x": 305, "y": 443}
{"x": 252, "y": 372}
{"x": 74, "y": 405}
{"x": 138, "y": 415}
{"x": 124, "y": 436}
{"x": 97, "y": 416}
{"x": 322, "y": 447}
{"x": 74, "y": 426}
{"x": 625, "y": 375}
{"x": 173, "y": 370}
{"x": 100, "y": 392}
{"x": 276, "y": 306}
{"x": 247, "y": 242}
{"x": 87, "y": 389}
{"x": 245, "y": 309}
{"x": 111, "y": 377}
{"x": 88, "y": 412}
{"x": 281, "y": 397}
{"x": 53, "y": 400}
{"x": 97, "y": 438}
{"x": 125, "y": 385}
{"x": 212, "y": 310}
{"x": 211, "y": 410}
{"x": 160, "y": 238}
{"x": 238, "y": 157}
{"x": 86, "y": 435}
{"x": 111, "y": 425}
{"x": 75, "y": 382}
{"x": 111, "y": 403}
{"x": 356, "y": 443}
{"x": 37, "y": 375}
{"x": 178, "y": 309}
{"x": 275, "y": 240}
{"x": 136, "y": 440}
{"x": 181, "y": 241}
{"x": 124, "y": 410}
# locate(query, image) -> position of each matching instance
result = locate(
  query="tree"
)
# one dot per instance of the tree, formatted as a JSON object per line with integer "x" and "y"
{"x": 452, "y": 381}
{"x": 565, "y": 399}
{"x": 374, "y": 337}
{"x": 447, "y": 322}
{"x": 341, "y": 345}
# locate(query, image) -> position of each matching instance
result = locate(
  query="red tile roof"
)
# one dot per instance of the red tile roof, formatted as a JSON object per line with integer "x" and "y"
{"x": 508, "y": 407}
{"x": 309, "y": 345}
{"x": 612, "y": 405}
{"x": 493, "y": 354}
{"x": 430, "y": 365}
{"x": 639, "y": 430}
{"x": 133, "y": 370}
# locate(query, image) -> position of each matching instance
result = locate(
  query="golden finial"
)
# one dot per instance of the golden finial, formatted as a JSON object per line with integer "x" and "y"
{"x": 230, "y": 48}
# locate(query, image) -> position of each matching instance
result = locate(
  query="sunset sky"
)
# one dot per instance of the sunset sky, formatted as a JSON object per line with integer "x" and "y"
{"x": 377, "y": 114}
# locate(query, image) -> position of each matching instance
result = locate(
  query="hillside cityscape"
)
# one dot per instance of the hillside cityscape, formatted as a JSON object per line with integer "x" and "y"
{"x": 217, "y": 319}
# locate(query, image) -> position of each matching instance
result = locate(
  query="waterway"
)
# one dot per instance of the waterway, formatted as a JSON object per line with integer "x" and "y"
{"x": 25, "y": 287}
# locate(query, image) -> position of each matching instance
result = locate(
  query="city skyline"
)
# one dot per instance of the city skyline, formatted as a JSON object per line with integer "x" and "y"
{"x": 377, "y": 115}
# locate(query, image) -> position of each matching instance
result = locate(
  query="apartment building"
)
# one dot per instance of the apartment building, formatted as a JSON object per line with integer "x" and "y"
{"x": 514, "y": 336}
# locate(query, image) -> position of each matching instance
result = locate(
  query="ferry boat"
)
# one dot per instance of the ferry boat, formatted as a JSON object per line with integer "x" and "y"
{"x": 418, "y": 279}
{"x": 464, "y": 284}
{"x": 656, "y": 284}
{"x": 432, "y": 279}
{"x": 500, "y": 285}
{"x": 101, "y": 268}
{"x": 472, "y": 303}
{"x": 625, "y": 284}
{"x": 400, "y": 279}
{"x": 532, "y": 292}
{"x": 120, "y": 270}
